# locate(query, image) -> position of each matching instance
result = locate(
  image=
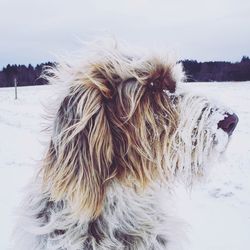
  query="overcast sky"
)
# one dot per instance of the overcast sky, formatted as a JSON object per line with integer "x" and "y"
{"x": 32, "y": 31}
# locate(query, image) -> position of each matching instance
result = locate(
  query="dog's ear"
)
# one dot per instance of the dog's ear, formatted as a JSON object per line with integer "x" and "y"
{"x": 78, "y": 165}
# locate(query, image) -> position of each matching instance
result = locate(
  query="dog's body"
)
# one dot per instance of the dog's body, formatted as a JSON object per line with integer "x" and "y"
{"x": 128, "y": 221}
{"x": 121, "y": 135}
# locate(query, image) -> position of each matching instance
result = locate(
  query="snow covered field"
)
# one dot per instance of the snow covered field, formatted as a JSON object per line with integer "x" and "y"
{"x": 217, "y": 210}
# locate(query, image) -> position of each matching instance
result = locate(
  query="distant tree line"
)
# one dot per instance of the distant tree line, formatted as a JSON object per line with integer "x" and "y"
{"x": 25, "y": 75}
{"x": 217, "y": 71}
{"x": 195, "y": 71}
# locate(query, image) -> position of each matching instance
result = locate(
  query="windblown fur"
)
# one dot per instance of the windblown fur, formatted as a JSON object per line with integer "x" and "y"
{"x": 122, "y": 133}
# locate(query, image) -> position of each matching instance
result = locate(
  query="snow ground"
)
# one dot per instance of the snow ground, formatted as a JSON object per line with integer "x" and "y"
{"x": 217, "y": 210}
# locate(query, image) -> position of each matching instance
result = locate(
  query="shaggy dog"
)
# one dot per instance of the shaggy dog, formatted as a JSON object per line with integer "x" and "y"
{"x": 122, "y": 134}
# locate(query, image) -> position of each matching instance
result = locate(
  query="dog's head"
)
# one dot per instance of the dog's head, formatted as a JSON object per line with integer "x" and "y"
{"x": 122, "y": 119}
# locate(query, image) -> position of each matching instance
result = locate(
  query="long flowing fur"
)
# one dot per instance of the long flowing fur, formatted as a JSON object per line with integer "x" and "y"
{"x": 121, "y": 134}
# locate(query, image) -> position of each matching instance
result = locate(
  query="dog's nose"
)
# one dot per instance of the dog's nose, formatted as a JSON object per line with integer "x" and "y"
{"x": 228, "y": 124}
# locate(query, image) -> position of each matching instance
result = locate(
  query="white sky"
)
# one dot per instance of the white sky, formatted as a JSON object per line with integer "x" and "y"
{"x": 32, "y": 31}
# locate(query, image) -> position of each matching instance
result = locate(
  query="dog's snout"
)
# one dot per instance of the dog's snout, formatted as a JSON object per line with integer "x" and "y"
{"x": 229, "y": 123}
